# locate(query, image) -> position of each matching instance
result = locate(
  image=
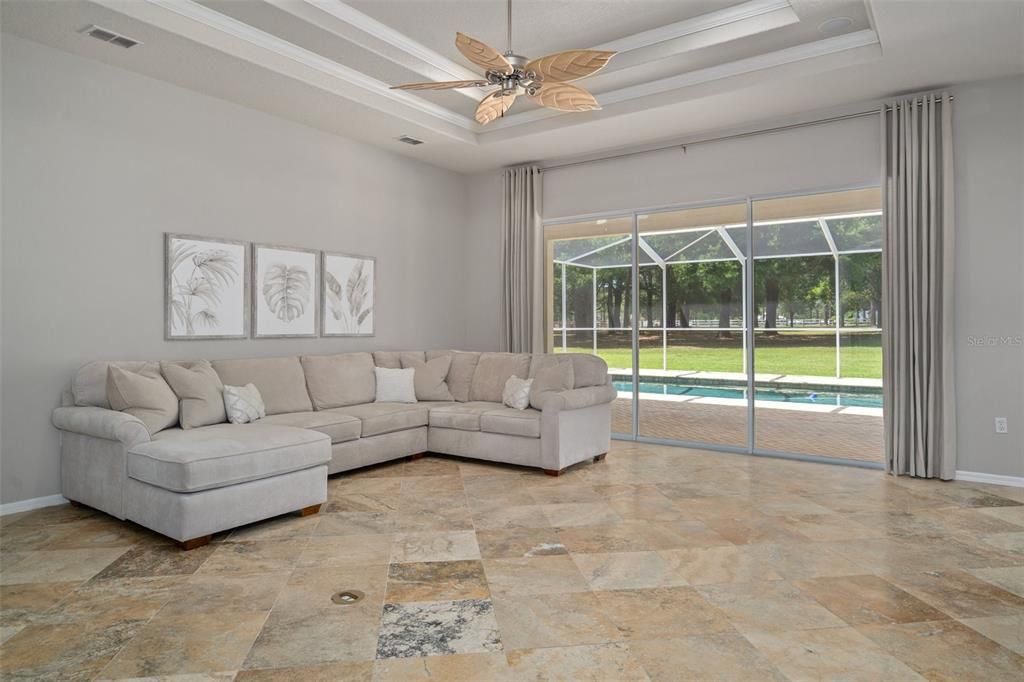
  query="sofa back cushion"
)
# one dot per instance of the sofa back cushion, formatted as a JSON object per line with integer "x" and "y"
{"x": 279, "y": 380}
{"x": 493, "y": 371}
{"x": 460, "y": 374}
{"x": 588, "y": 370}
{"x": 89, "y": 384}
{"x": 397, "y": 359}
{"x": 340, "y": 380}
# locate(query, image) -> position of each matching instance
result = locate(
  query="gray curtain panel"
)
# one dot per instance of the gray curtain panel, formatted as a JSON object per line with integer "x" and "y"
{"x": 917, "y": 304}
{"x": 522, "y": 269}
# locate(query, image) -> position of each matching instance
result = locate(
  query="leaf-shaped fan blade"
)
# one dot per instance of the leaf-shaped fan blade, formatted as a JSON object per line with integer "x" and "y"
{"x": 493, "y": 106}
{"x": 564, "y": 97}
{"x": 569, "y": 65}
{"x": 482, "y": 54}
{"x": 442, "y": 85}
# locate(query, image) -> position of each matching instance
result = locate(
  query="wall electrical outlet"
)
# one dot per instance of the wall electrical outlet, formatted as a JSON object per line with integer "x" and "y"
{"x": 1001, "y": 426}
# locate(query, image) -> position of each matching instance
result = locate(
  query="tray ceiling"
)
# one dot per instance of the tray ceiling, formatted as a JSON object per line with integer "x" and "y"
{"x": 682, "y": 67}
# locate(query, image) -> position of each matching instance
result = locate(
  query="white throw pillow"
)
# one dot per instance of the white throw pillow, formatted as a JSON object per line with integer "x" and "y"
{"x": 395, "y": 385}
{"x": 517, "y": 392}
{"x": 243, "y": 404}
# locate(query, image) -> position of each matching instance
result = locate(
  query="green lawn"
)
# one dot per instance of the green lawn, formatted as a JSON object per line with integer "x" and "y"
{"x": 863, "y": 360}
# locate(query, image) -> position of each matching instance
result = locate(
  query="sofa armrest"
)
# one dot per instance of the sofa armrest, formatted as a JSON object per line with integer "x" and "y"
{"x": 576, "y": 398}
{"x": 102, "y": 423}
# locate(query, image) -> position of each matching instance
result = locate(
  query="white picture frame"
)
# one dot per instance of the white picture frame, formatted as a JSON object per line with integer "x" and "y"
{"x": 206, "y": 288}
{"x": 348, "y": 296}
{"x": 285, "y": 292}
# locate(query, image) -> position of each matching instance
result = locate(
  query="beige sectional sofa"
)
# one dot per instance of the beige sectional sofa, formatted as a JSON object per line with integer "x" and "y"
{"x": 321, "y": 419}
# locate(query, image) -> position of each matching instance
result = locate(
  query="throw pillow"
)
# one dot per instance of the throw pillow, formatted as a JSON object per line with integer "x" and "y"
{"x": 200, "y": 391}
{"x": 429, "y": 379}
{"x": 395, "y": 385}
{"x": 143, "y": 394}
{"x": 243, "y": 404}
{"x": 555, "y": 376}
{"x": 517, "y": 392}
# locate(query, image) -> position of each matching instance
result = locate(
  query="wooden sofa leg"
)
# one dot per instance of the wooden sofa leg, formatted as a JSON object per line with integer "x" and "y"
{"x": 600, "y": 457}
{"x": 553, "y": 472}
{"x": 194, "y": 543}
{"x": 309, "y": 511}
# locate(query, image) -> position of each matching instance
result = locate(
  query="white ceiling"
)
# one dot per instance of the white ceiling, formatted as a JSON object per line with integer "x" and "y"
{"x": 684, "y": 67}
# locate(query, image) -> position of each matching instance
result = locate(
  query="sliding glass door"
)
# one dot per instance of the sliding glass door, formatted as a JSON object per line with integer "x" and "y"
{"x": 692, "y": 325}
{"x": 817, "y": 341}
{"x": 748, "y": 326}
{"x": 590, "y": 299}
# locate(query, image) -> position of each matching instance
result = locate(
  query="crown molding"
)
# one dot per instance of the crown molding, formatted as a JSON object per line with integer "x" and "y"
{"x": 358, "y": 28}
{"x": 704, "y": 22}
{"x": 354, "y": 84}
{"x": 789, "y": 55}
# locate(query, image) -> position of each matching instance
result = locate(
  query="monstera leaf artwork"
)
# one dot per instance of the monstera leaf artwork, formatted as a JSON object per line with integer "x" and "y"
{"x": 348, "y": 295}
{"x": 206, "y": 289}
{"x": 286, "y": 289}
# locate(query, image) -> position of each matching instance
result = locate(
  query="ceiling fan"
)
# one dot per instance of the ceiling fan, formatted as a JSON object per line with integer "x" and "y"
{"x": 545, "y": 79}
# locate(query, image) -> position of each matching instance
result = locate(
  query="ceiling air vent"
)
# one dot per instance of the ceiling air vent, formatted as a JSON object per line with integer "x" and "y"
{"x": 108, "y": 36}
{"x": 410, "y": 140}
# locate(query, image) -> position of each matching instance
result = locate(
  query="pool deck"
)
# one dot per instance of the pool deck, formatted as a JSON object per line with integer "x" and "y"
{"x": 739, "y": 377}
{"x": 843, "y": 433}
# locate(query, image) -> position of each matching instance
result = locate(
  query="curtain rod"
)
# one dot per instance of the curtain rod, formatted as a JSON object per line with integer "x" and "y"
{"x": 722, "y": 138}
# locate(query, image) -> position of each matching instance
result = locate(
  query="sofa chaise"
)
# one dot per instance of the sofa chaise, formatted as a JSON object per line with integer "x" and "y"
{"x": 321, "y": 419}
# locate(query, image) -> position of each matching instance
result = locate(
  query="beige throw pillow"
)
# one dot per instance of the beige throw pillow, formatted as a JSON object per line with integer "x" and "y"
{"x": 551, "y": 376}
{"x": 200, "y": 391}
{"x": 517, "y": 393}
{"x": 143, "y": 394}
{"x": 430, "y": 377}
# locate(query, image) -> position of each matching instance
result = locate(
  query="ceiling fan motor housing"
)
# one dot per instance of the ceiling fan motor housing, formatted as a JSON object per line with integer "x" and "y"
{"x": 519, "y": 81}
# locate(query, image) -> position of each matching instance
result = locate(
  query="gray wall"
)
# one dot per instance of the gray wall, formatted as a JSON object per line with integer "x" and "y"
{"x": 99, "y": 162}
{"x": 988, "y": 122}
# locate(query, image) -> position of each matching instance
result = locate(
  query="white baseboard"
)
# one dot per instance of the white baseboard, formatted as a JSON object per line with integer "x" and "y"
{"x": 29, "y": 505}
{"x": 994, "y": 479}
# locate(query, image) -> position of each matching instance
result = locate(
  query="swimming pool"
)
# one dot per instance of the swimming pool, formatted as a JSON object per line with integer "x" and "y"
{"x": 795, "y": 395}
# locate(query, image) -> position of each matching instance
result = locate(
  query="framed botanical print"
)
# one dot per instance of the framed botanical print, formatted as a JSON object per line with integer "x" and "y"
{"x": 206, "y": 288}
{"x": 349, "y": 293}
{"x": 285, "y": 292}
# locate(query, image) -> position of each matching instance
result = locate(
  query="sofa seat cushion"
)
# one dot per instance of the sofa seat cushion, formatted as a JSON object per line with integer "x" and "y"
{"x": 378, "y": 418}
{"x": 225, "y": 454}
{"x": 461, "y": 416}
{"x": 340, "y": 427}
{"x": 511, "y": 422}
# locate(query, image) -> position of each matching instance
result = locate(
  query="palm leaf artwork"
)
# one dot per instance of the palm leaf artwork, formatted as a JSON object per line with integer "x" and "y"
{"x": 212, "y": 272}
{"x": 286, "y": 290}
{"x": 357, "y": 291}
{"x": 334, "y": 292}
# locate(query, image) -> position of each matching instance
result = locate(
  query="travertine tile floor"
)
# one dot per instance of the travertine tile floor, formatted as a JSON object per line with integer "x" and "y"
{"x": 657, "y": 563}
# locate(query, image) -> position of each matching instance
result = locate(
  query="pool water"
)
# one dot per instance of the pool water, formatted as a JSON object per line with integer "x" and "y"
{"x": 774, "y": 394}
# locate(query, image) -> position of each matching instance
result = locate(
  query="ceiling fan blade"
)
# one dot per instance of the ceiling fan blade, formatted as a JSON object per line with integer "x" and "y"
{"x": 481, "y": 54}
{"x": 442, "y": 85}
{"x": 569, "y": 65}
{"x": 493, "y": 106}
{"x": 564, "y": 97}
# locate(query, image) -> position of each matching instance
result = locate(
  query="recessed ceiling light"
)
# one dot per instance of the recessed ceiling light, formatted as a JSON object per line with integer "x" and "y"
{"x": 835, "y": 25}
{"x": 602, "y": 221}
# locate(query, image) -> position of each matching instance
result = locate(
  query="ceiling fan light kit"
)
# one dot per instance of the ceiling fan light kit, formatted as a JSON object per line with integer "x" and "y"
{"x": 544, "y": 80}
